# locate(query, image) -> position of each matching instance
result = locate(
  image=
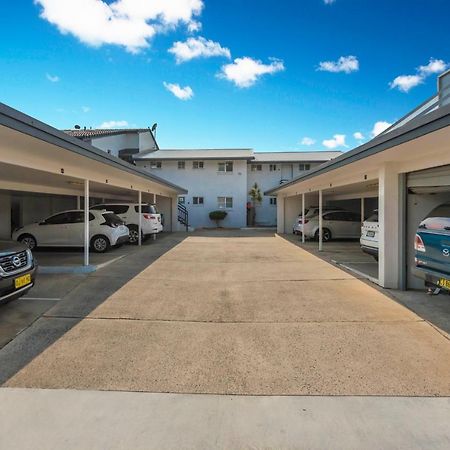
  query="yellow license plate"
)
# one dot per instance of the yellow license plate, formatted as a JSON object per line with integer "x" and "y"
{"x": 22, "y": 281}
{"x": 444, "y": 283}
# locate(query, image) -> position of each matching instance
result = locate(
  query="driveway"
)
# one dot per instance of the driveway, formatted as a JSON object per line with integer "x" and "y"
{"x": 230, "y": 313}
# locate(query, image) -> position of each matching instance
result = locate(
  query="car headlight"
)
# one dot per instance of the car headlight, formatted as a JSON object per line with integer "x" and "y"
{"x": 30, "y": 255}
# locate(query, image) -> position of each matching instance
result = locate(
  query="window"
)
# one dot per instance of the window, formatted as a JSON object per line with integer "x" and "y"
{"x": 75, "y": 217}
{"x": 146, "y": 209}
{"x": 57, "y": 219}
{"x": 273, "y": 167}
{"x": 273, "y": 201}
{"x": 225, "y": 202}
{"x": 256, "y": 167}
{"x": 181, "y": 200}
{"x": 197, "y": 201}
{"x": 225, "y": 166}
{"x": 181, "y": 164}
{"x": 438, "y": 219}
{"x": 156, "y": 165}
{"x": 303, "y": 166}
{"x": 197, "y": 164}
{"x": 116, "y": 209}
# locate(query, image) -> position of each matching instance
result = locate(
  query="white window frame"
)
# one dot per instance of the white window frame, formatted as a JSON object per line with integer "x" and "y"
{"x": 199, "y": 164}
{"x": 156, "y": 165}
{"x": 303, "y": 167}
{"x": 224, "y": 167}
{"x": 198, "y": 198}
{"x": 256, "y": 168}
{"x": 181, "y": 165}
{"x": 224, "y": 202}
{"x": 273, "y": 167}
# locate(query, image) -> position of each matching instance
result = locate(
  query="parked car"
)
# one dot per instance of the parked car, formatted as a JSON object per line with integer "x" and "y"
{"x": 129, "y": 213}
{"x": 335, "y": 225}
{"x": 432, "y": 248}
{"x": 17, "y": 270}
{"x": 66, "y": 229}
{"x": 310, "y": 212}
{"x": 369, "y": 235}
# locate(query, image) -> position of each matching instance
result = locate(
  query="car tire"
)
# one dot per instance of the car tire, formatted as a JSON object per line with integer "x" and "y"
{"x": 100, "y": 244}
{"x": 28, "y": 240}
{"x": 134, "y": 234}
{"x": 326, "y": 235}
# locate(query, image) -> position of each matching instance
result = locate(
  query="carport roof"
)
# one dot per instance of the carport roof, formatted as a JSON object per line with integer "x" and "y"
{"x": 18, "y": 121}
{"x": 420, "y": 126}
{"x": 184, "y": 154}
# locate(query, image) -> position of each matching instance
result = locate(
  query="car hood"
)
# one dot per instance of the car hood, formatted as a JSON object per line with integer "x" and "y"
{"x": 8, "y": 247}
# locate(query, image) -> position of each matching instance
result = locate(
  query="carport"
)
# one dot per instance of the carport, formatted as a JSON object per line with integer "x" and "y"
{"x": 49, "y": 171}
{"x": 381, "y": 168}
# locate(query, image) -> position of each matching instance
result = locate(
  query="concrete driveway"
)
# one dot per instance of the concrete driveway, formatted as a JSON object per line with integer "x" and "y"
{"x": 230, "y": 313}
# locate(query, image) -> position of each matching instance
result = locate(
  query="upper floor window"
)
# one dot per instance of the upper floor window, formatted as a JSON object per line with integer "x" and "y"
{"x": 225, "y": 166}
{"x": 256, "y": 167}
{"x": 303, "y": 166}
{"x": 156, "y": 165}
{"x": 197, "y": 164}
{"x": 197, "y": 200}
{"x": 273, "y": 201}
{"x": 225, "y": 202}
{"x": 181, "y": 164}
{"x": 273, "y": 167}
{"x": 181, "y": 200}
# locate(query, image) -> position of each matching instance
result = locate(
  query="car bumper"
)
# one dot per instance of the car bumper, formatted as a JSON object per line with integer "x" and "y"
{"x": 431, "y": 277}
{"x": 373, "y": 251}
{"x": 7, "y": 288}
{"x": 122, "y": 239}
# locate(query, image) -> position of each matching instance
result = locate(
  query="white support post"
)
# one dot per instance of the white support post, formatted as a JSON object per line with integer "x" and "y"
{"x": 280, "y": 214}
{"x": 154, "y": 202}
{"x": 362, "y": 210}
{"x": 78, "y": 202}
{"x": 303, "y": 218}
{"x": 140, "y": 218}
{"x": 86, "y": 222}
{"x": 320, "y": 222}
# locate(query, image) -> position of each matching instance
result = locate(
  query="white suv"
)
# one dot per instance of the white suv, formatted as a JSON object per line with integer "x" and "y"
{"x": 66, "y": 229}
{"x": 129, "y": 213}
{"x": 369, "y": 235}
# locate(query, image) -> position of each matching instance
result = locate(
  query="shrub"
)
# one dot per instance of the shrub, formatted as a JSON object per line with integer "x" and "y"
{"x": 217, "y": 216}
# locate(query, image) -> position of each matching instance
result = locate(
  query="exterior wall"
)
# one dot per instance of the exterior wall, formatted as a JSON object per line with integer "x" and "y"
{"x": 113, "y": 144}
{"x": 209, "y": 184}
{"x": 5, "y": 214}
{"x": 146, "y": 142}
{"x": 164, "y": 206}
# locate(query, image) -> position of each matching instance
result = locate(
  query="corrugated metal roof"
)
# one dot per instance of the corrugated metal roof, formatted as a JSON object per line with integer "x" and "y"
{"x": 97, "y": 132}
{"x": 318, "y": 156}
{"x": 231, "y": 153}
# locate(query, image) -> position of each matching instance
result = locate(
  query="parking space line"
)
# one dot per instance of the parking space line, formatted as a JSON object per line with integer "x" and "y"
{"x": 40, "y": 298}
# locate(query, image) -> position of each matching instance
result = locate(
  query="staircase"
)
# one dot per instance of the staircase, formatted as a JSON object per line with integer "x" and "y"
{"x": 183, "y": 216}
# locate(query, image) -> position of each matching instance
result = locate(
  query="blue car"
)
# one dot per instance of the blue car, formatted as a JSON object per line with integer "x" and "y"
{"x": 432, "y": 249}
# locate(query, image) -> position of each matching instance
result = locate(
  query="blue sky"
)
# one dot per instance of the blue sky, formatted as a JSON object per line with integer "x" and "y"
{"x": 253, "y": 73}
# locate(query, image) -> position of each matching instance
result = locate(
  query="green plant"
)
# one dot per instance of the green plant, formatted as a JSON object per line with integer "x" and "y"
{"x": 256, "y": 196}
{"x": 217, "y": 216}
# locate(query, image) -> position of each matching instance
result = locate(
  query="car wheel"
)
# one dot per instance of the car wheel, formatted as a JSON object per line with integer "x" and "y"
{"x": 100, "y": 244}
{"x": 28, "y": 240}
{"x": 326, "y": 235}
{"x": 134, "y": 234}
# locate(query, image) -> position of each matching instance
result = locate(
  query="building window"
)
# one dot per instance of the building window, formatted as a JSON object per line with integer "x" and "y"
{"x": 225, "y": 166}
{"x": 273, "y": 201}
{"x": 181, "y": 164}
{"x": 256, "y": 167}
{"x": 197, "y": 201}
{"x": 181, "y": 200}
{"x": 273, "y": 167}
{"x": 303, "y": 167}
{"x": 197, "y": 164}
{"x": 156, "y": 165}
{"x": 225, "y": 202}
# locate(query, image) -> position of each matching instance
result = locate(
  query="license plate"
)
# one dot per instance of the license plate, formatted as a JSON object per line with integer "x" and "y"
{"x": 444, "y": 283}
{"x": 370, "y": 234}
{"x": 22, "y": 281}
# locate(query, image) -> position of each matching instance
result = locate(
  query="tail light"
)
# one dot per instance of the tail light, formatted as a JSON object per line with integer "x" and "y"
{"x": 419, "y": 246}
{"x": 149, "y": 216}
{"x": 305, "y": 221}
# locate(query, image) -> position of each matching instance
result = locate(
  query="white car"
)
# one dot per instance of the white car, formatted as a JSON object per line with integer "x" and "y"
{"x": 335, "y": 225}
{"x": 369, "y": 235}
{"x": 310, "y": 212}
{"x": 129, "y": 213}
{"x": 66, "y": 229}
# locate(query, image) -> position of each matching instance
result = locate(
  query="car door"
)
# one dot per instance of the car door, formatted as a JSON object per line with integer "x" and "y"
{"x": 53, "y": 230}
{"x": 75, "y": 228}
{"x": 353, "y": 225}
{"x": 333, "y": 221}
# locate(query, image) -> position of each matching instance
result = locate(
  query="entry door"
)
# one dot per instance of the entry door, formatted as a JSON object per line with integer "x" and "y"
{"x": 286, "y": 172}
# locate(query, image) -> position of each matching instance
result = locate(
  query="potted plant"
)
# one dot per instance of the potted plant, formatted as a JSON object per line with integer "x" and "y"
{"x": 256, "y": 197}
{"x": 217, "y": 216}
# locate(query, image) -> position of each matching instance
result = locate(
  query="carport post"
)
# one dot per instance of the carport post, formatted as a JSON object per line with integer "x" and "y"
{"x": 154, "y": 202}
{"x": 86, "y": 222}
{"x": 320, "y": 221}
{"x": 362, "y": 210}
{"x": 140, "y": 217}
{"x": 303, "y": 218}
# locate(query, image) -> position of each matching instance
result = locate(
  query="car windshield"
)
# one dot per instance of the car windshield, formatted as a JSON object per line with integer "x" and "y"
{"x": 438, "y": 219}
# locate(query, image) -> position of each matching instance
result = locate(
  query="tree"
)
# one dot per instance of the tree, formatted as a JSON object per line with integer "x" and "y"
{"x": 256, "y": 196}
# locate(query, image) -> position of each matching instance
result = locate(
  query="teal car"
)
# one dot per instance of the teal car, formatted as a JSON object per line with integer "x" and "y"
{"x": 432, "y": 249}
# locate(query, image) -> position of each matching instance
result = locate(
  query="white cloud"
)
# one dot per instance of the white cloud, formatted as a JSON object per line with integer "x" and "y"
{"x": 329, "y": 2}
{"x": 337, "y": 141}
{"x": 433, "y": 66}
{"x": 194, "y": 26}
{"x": 405, "y": 83}
{"x": 85, "y": 109}
{"x": 183, "y": 93}
{"x": 358, "y": 136}
{"x": 345, "y": 64}
{"x": 113, "y": 124}
{"x": 128, "y": 23}
{"x": 379, "y": 127}
{"x": 52, "y": 78}
{"x": 197, "y": 48}
{"x": 245, "y": 72}
{"x": 307, "y": 141}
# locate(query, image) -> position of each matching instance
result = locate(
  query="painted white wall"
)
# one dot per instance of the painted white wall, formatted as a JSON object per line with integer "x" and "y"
{"x": 209, "y": 184}
{"x": 118, "y": 142}
{"x": 164, "y": 206}
{"x": 146, "y": 141}
{"x": 5, "y": 215}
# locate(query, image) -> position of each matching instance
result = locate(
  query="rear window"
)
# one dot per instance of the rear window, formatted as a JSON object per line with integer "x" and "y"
{"x": 438, "y": 219}
{"x": 146, "y": 209}
{"x": 116, "y": 209}
{"x": 111, "y": 218}
{"x": 373, "y": 217}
